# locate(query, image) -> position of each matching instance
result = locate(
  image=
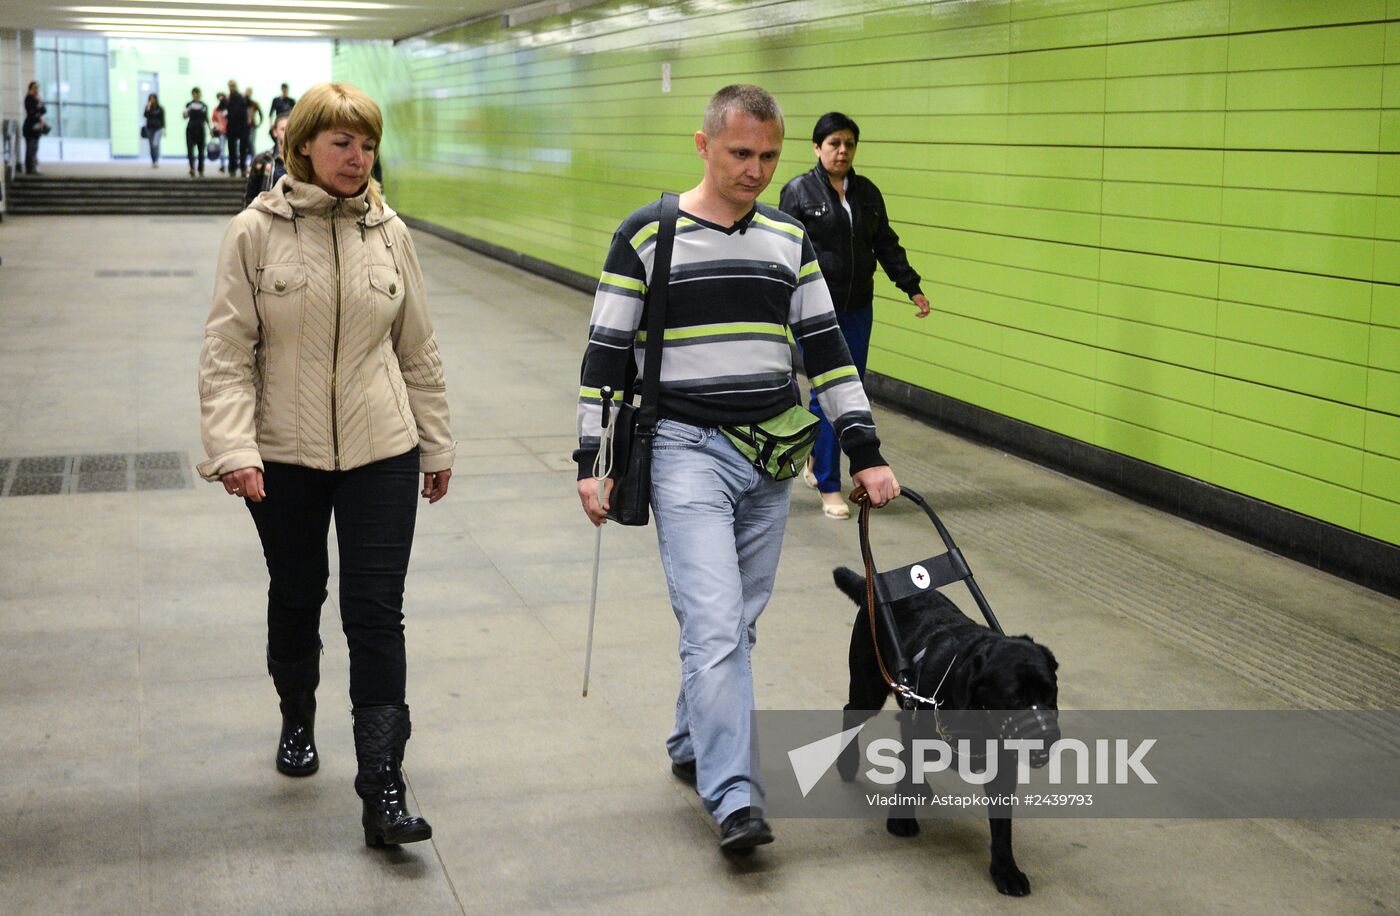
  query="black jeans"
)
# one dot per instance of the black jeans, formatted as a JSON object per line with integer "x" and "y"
{"x": 237, "y": 152}
{"x": 375, "y": 507}
{"x": 31, "y": 153}
{"x": 194, "y": 149}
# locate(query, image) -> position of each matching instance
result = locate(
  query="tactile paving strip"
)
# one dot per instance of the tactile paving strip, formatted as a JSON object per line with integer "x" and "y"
{"x": 110, "y": 472}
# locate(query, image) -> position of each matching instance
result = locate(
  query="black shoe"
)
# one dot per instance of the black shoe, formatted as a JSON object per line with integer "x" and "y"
{"x": 742, "y": 830}
{"x": 380, "y": 735}
{"x": 296, "y": 684}
{"x": 685, "y": 772}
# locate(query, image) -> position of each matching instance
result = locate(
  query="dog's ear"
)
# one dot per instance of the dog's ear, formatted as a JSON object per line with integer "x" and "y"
{"x": 1049, "y": 658}
{"x": 850, "y": 582}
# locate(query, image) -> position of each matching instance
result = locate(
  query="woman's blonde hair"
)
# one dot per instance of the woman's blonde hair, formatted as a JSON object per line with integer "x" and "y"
{"x": 330, "y": 106}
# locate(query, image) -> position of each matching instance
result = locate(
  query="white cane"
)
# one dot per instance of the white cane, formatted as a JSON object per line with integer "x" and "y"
{"x": 602, "y": 467}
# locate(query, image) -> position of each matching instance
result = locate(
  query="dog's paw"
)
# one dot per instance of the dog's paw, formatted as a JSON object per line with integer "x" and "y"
{"x": 1010, "y": 880}
{"x": 903, "y": 826}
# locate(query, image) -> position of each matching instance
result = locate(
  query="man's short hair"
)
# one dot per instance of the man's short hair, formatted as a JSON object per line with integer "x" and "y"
{"x": 830, "y": 123}
{"x": 754, "y": 101}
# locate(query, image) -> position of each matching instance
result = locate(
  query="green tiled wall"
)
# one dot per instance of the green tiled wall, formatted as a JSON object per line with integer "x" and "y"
{"x": 1170, "y": 229}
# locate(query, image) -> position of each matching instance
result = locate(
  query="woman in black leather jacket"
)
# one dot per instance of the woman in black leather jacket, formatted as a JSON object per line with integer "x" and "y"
{"x": 849, "y": 228}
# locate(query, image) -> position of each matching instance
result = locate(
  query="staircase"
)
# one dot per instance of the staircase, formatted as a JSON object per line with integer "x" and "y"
{"x": 54, "y": 196}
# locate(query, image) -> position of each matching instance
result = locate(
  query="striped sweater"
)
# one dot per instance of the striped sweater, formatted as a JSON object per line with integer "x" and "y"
{"x": 735, "y": 296}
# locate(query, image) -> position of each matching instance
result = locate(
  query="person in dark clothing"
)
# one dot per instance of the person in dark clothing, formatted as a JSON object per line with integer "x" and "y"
{"x": 197, "y": 113}
{"x": 235, "y": 109}
{"x": 268, "y": 165}
{"x": 154, "y": 127}
{"x": 34, "y": 127}
{"x": 282, "y": 106}
{"x": 849, "y": 227}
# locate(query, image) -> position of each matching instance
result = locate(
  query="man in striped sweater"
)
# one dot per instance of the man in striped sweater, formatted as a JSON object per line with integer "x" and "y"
{"x": 743, "y": 276}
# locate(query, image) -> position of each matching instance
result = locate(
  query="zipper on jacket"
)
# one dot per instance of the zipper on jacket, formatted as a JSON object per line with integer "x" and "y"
{"x": 335, "y": 346}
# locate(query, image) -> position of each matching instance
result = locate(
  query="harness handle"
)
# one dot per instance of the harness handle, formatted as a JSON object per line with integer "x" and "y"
{"x": 899, "y": 681}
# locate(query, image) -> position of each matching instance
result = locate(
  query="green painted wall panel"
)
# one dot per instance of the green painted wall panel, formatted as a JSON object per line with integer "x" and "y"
{"x": 1179, "y": 348}
{"x": 1382, "y": 477}
{"x": 1299, "y": 372}
{"x": 1385, "y": 348}
{"x": 1330, "y": 338}
{"x": 1330, "y": 296}
{"x": 1251, "y": 15}
{"x": 1166, "y": 228}
{"x": 1189, "y": 56}
{"x": 1380, "y": 519}
{"x": 1181, "y": 455}
{"x": 1317, "y": 458}
{"x": 1180, "y": 92}
{"x": 1177, "y": 202}
{"x": 1158, "y": 307}
{"x": 1174, "y": 418}
{"x": 1183, "y": 384}
{"x": 1316, "y": 417}
{"x": 1300, "y": 211}
{"x": 1383, "y": 391}
{"x": 1338, "y": 172}
{"x": 1343, "y": 131}
{"x": 1385, "y": 306}
{"x": 1335, "y": 47}
{"x": 1193, "y": 278}
{"x": 1317, "y": 498}
{"x": 1164, "y": 166}
{"x": 1334, "y": 87}
{"x": 1160, "y": 21}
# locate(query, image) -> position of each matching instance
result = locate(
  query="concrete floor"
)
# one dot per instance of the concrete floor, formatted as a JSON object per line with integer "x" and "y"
{"x": 139, "y": 722}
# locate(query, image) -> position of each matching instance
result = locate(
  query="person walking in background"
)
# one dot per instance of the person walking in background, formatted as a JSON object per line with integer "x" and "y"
{"x": 268, "y": 166}
{"x": 34, "y": 127}
{"x": 197, "y": 114}
{"x": 750, "y": 279}
{"x": 282, "y": 105}
{"x": 255, "y": 119}
{"x": 218, "y": 120}
{"x": 235, "y": 109}
{"x": 154, "y": 127}
{"x": 305, "y": 420}
{"x": 846, "y": 220}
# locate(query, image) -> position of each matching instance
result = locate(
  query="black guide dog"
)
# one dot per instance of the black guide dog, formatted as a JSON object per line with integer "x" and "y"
{"x": 979, "y": 669}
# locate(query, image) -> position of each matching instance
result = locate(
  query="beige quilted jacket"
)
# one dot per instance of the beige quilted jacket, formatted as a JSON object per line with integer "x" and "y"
{"x": 318, "y": 350}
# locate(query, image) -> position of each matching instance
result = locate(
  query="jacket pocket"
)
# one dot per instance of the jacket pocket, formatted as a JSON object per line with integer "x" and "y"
{"x": 277, "y": 282}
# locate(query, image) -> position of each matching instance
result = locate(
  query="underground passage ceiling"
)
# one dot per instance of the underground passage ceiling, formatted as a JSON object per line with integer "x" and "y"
{"x": 302, "y": 19}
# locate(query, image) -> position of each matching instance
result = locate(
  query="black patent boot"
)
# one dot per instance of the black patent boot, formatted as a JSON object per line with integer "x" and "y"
{"x": 380, "y": 735}
{"x": 296, "y": 684}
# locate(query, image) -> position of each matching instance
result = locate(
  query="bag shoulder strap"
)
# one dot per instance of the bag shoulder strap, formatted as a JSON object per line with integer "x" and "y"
{"x": 657, "y": 294}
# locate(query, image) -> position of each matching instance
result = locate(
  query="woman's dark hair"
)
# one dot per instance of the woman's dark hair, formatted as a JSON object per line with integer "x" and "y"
{"x": 830, "y": 123}
{"x": 34, "y": 84}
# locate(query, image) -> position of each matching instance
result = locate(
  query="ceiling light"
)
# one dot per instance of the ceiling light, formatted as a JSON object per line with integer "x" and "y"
{"x": 162, "y": 31}
{"x": 210, "y": 14}
{"x": 293, "y": 4}
{"x": 202, "y": 24}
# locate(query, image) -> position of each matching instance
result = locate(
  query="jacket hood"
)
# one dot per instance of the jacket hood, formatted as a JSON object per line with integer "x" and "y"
{"x": 290, "y": 198}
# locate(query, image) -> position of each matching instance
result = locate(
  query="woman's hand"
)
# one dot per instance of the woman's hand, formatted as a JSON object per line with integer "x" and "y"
{"x": 245, "y": 483}
{"x": 921, "y": 301}
{"x": 435, "y": 485}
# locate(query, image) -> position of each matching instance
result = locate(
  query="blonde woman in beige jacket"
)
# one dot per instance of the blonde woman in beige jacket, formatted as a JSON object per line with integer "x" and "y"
{"x": 322, "y": 393}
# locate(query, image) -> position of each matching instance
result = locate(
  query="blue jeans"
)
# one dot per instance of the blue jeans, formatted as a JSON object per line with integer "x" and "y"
{"x": 719, "y": 522}
{"x": 826, "y": 454}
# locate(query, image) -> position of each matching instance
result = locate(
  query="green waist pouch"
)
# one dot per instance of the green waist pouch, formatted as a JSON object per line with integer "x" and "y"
{"x": 778, "y": 446}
